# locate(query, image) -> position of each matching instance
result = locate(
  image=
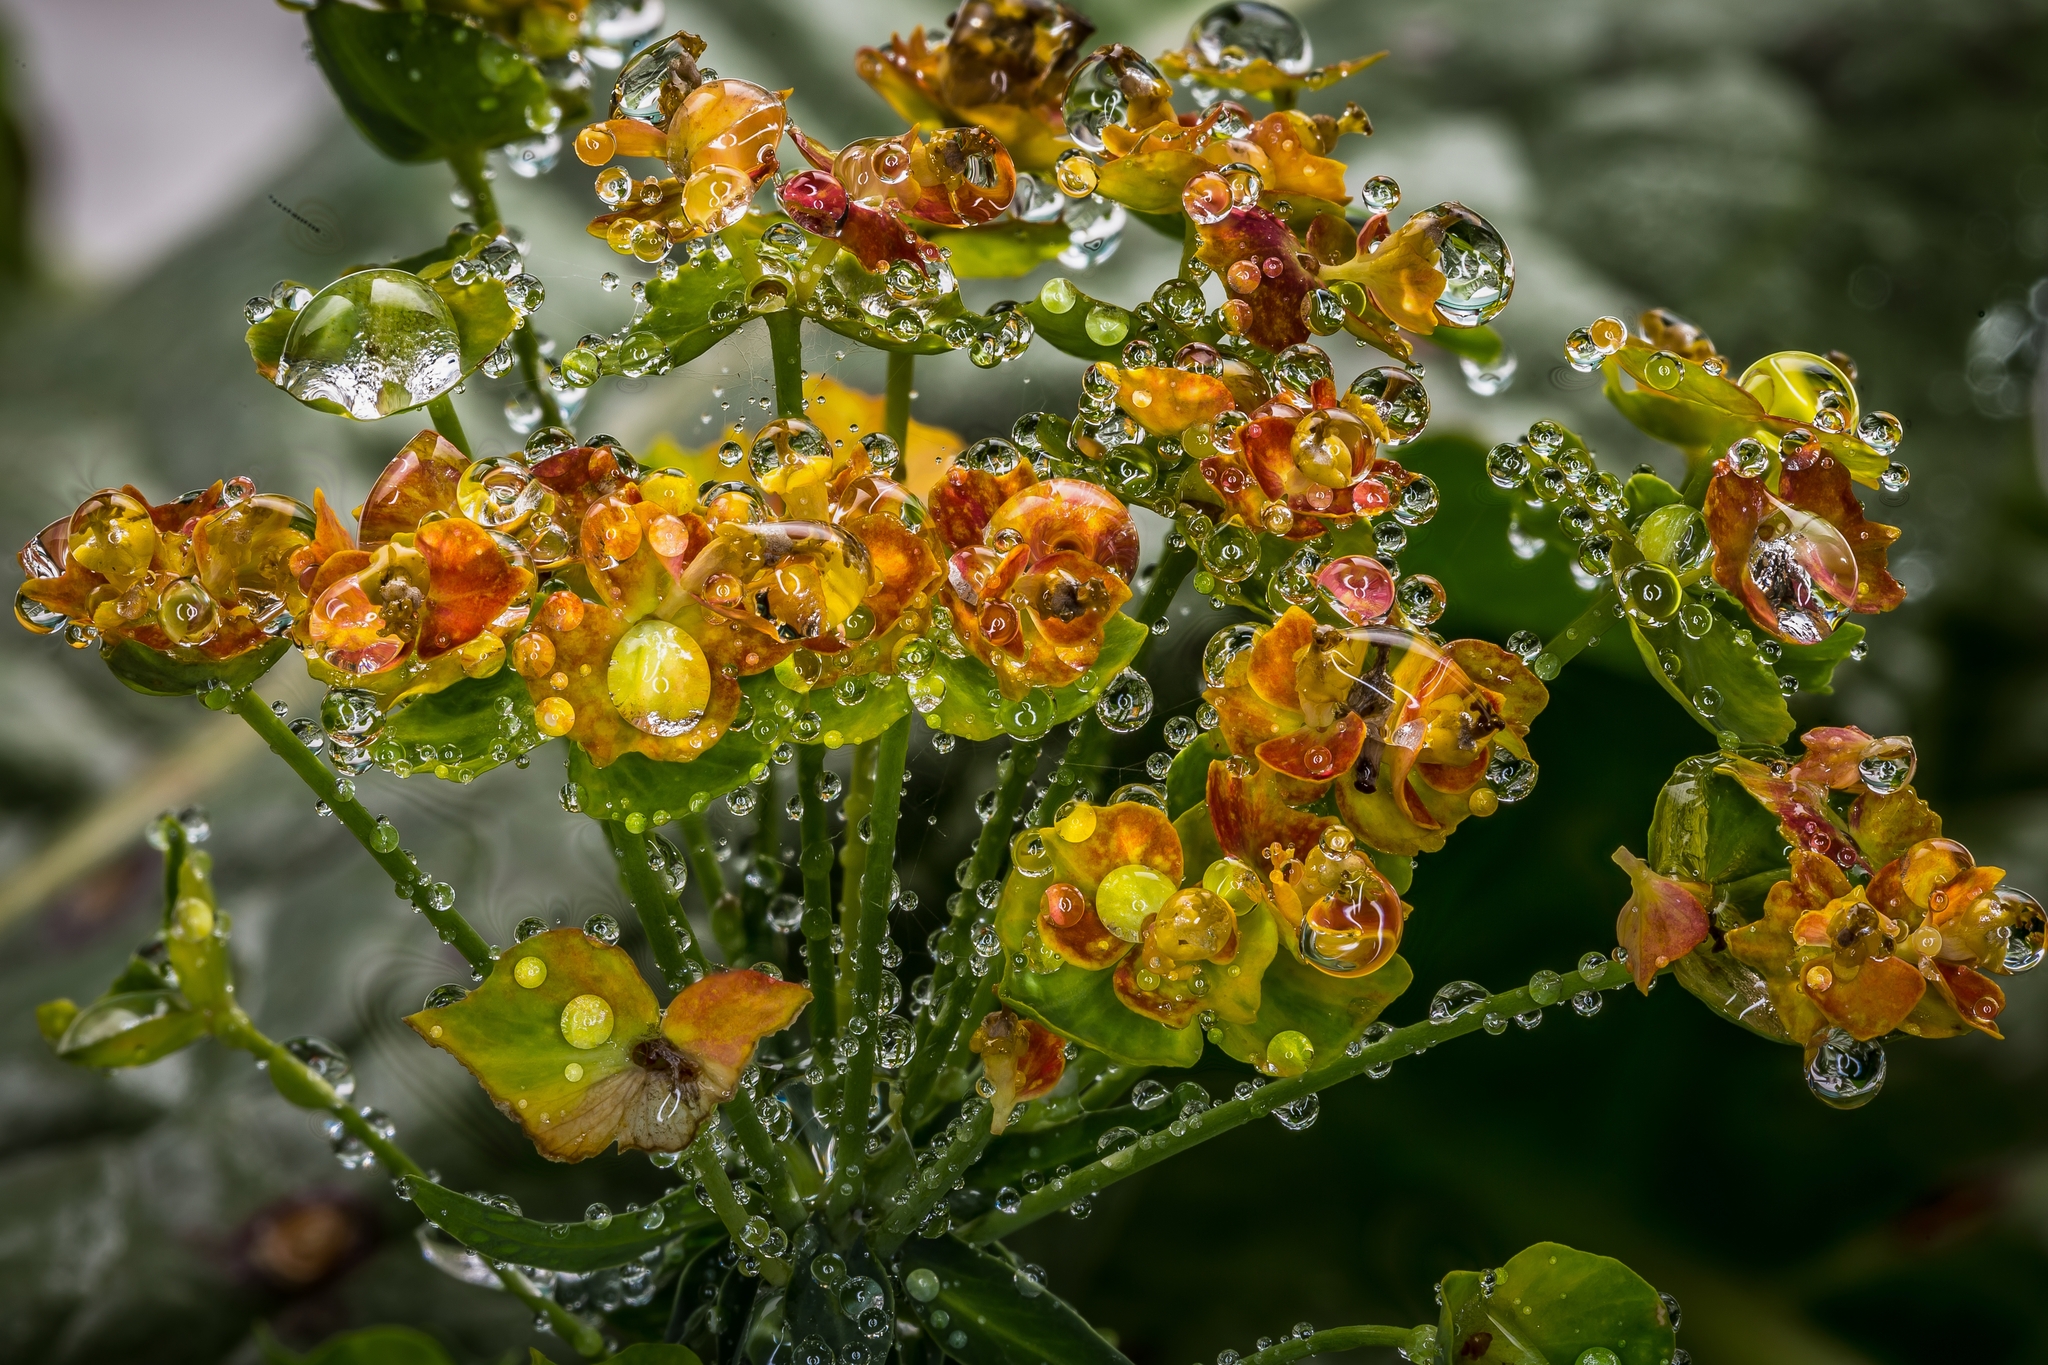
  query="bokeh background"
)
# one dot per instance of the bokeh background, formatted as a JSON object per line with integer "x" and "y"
{"x": 1869, "y": 175}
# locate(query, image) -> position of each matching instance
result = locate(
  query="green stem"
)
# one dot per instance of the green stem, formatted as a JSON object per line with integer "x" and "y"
{"x": 965, "y": 1140}
{"x": 863, "y": 951}
{"x": 786, "y": 345}
{"x": 958, "y": 1058}
{"x": 1326, "y": 1343}
{"x": 816, "y": 863}
{"x": 668, "y": 936}
{"x": 1587, "y": 627}
{"x": 442, "y": 410}
{"x": 952, "y": 991}
{"x": 300, "y": 1083}
{"x": 534, "y": 372}
{"x": 853, "y": 861}
{"x": 896, "y": 400}
{"x": 1085, "y": 751}
{"x": 725, "y": 1202}
{"x": 411, "y": 884}
{"x": 483, "y": 201}
{"x": 710, "y": 879}
{"x": 1231, "y": 1114}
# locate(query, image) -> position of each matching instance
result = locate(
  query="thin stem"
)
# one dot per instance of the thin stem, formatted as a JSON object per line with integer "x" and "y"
{"x": 1584, "y": 630}
{"x": 1326, "y": 1343}
{"x": 786, "y": 345}
{"x": 965, "y": 1140}
{"x": 407, "y": 880}
{"x": 896, "y": 399}
{"x": 241, "y": 1032}
{"x": 815, "y": 861}
{"x": 710, "y": 879}
{"x": 864, "y": 952}
{"x": 442, "y": 410}
{"x": 483, "y": 201}
{"x": 725, "y": 1202}
{"x": 1085, "y": 751}
{"x": 949, "y": 1010}
{"x": 668, "y": 934}
{"x": 1149, "y": 1151}
{"x": 958, "y": 1055}
{"x": 853, "y": 861}
{"x": 526, "y": 345}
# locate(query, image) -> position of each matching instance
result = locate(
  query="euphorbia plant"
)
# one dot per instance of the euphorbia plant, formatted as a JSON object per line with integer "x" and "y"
{"x": 689, "y": 623}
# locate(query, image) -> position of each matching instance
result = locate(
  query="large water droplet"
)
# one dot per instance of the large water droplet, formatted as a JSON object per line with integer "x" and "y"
{"x": 1126, "y": 704}
{"x": 372, "y": 343}
{"x": 326, "y": 1061}
{"x": 1235, "y": 35}
{"x": 1846, "y": 1073}
{"x": 1479, "y": 272}
{"x": 1455, "y": 998}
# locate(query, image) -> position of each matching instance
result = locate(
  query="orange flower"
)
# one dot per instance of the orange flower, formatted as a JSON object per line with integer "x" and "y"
{"x": 1800, "y": 556}
{"x": 716, "y": 136}
{"x": 201, "y": 580}
{"x": 422, "y": 596}
{"x": 1033, "y": 580}
{"x": 1023, "y": 1060}
{"x": 1179, "y": 164}
{"x": 1003, "y": 65}
{"x": 1665, "y": 918}
{"x": 1402, "y": 731}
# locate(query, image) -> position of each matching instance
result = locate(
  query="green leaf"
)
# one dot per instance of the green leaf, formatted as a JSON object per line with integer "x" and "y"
{"x": 776, "y": 707}
{"x": 159, "y": 675}
{"x": 1646, "y": 493}
{"x": 985, "y": 1311}
{"x": 1187, "y": 781}
{"x": 128, "y": 1028}
{"x": 378, "y": 1346}
{"x": 1329, "y": 1011}
{"x": 1009, "y": 1157}
{"x": 578, "y": 1248}
{"x": 1692, "y": 417}
{"x": 1732, "y": 990}
{"x": 483, "y": 318}
{"x": 1814, "y": 665}
{"x": 693, "y": 312}
{"x": 195, "y": 931}
{"x": 1548, "y": 1306}
{"x": 974, "y": 707}
{"x": 487, "y": 721}
{"x": 1750, "y": 707}
{"x": 1068, "y": 331}
{"x": 1707, "y": 828}
{"x": 1199, "y": 846}
{"x": 996, "y": 251}
{"x": 807, "y": 1309}
{"x": 635, "y": 784}
{"x": 421, "y": 85}
{"x": 655, "y": 1353}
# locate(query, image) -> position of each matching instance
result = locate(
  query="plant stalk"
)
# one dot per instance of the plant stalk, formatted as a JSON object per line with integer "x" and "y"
{"x": 815, "y": 861}
{"x": 953, "y": 989}
{"x": 786, "y": 346}
{"x": 964, "y": 1143}
{"x": 1586, "y": 627}
{"x": 407, "y": 880}
{"x": 1085, "y": 752}
{"x": 864, "y": 956}
{"x": 532, "y": 370}
{"x": 896, "y": 400}
{"x": 442, "y": 410}
{"x": 710, "y": 879}
{"x": 483, "y": 200}
{"x": 725, "y": 1202}
{"x": 1231, "y": 1114}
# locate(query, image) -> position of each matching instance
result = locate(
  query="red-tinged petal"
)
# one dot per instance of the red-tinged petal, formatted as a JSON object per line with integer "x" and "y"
{"x": 1268, "y": 445}
{"x": 1402, "y": 273}
{"x": 1664, "y": 919}
{"x": 330, "y": 538}
{"x": 1832, "y": 753}
{"x": 335, "y": 569}
{"x": 730, "y": 123}
{"x": 1276, "y": 657}
{"x": 1251, "y": 815}
{"x": 1874, "y": 1001}
{"x": 1734, "y": 507}
{"x": 904, "y": 566}
{"x": 1978, "y": 999}
{"x": 1172, "y": 1008}
{"x": 420, "y": 480}
{"x": 1272, "y": 284}
{"x": 1086, "y": 942}
{"x": 718, "y": 1020}
{"x": 1316, "y": 755}
{"x": 1093, "y": 841}
{"x": 1802, "y": 810}
{"x": 1072, "y": 515}
{"x": 471, "y": 580}
{"x": 1885, "y": 827}
{"x": 1167, "y": 401}
{"x": 1519, "y": 695}
{"x": 1023, "y": 1060}
{"x": 1069, "y": 600}
{"x": 1823, "y": 488}
{"x": 964, "y": 501}
{"x": 1245, "y": 719}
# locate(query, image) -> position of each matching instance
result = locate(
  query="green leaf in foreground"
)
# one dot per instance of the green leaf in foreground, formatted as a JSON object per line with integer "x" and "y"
{"x": 1550, "y": 1305}
{"x": 578, "y": 1248}
{"x": 981, "y": 1309}
{"x": 636, "y": 785}
{"x": 973, "y": 706}
{"x": 159, "y": 675}
{"x": 1716, "y": 676}
{"x": 462, "y": 731}
{"x": 377, "y": 1346}
{"x": 421, "y": 85}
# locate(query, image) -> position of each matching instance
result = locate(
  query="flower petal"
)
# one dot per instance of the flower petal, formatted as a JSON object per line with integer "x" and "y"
{"x": 420, "y": 480}
{"x": 471, "y": 581}
{"x": 1664, "y": 919}
{"x": 1118, "y": 836}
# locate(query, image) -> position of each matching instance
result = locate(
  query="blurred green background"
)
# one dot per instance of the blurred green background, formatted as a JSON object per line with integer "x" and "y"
{"x": 1868, "y": 175}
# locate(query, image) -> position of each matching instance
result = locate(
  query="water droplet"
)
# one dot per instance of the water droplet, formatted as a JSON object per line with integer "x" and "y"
{"x": 1845, "y": 1073}
{"x": 326, "y": 1061}
{"x": 1126, "y": 704}
{"x": 602, "y": 928}
{"x": 1888, "y": 764}
{"x": 1231, "y": 36}
{"x": 373, "y": 343}
{"x": 1479, "y": 272}
{"x": 1456, "y": 998}
{"x": 587, "y": 1022}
